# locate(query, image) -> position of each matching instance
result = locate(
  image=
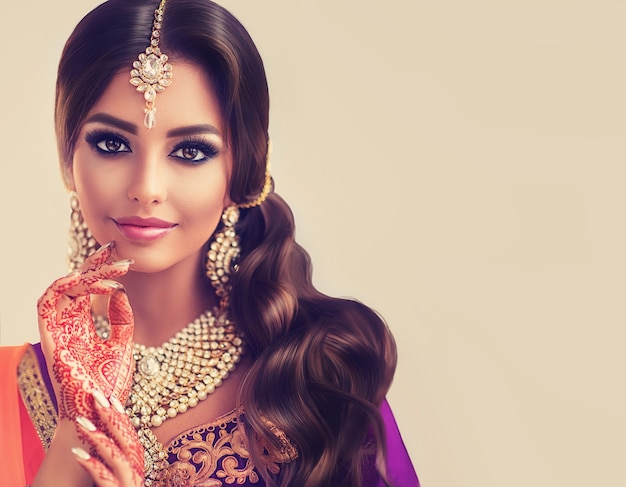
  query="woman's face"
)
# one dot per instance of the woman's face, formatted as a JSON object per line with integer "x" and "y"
{"x": 159, "y": 193}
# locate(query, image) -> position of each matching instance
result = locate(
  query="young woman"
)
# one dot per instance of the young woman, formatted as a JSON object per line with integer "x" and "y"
{"x": 189, "y": 346}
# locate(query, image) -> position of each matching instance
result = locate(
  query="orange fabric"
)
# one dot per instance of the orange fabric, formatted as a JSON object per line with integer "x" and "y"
{"x": 13, "y": 474}
{"x": 32, "y": 449}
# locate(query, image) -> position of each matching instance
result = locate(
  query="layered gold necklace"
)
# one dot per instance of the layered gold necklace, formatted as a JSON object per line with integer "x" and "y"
{"x": 176, "y": 376}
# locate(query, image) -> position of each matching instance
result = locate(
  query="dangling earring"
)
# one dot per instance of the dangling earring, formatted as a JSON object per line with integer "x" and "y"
{"x": 223, "y": 255}
{"x": 82, "y": 243}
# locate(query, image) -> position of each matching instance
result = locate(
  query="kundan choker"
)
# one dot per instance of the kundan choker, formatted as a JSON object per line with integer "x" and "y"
{"x": 176, "y": 376}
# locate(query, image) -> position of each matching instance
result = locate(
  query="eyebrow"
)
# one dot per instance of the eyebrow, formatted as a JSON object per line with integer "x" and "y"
{"x": 132, "y": 128}
{"x": 192, "y": 130}
{"x": 114, "y": 121}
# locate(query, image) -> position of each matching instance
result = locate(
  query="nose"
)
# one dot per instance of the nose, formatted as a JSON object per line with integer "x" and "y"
{"x": 148, "y": 182}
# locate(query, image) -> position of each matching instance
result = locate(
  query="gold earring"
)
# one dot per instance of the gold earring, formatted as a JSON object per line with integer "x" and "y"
{"x": 82, "y": 243}
{"x": 223, "y": 255}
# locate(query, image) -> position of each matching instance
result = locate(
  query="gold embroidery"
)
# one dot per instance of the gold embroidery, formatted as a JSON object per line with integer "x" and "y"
{"x": 36, "y": 398}
{"x": 213, "y": 455}
{"x": 207, "y": 454}
{"x": 286, "y": 453}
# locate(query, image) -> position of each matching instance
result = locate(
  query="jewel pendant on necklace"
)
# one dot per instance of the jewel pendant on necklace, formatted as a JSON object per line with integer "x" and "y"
{"x": 149, "y": 365}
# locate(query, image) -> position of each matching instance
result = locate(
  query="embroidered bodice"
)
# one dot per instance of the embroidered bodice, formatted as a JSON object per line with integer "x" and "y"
{"x": 212, "y": 455}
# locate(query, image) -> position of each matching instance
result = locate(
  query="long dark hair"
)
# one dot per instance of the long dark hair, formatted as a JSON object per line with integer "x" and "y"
{"x": 321, "y": 366}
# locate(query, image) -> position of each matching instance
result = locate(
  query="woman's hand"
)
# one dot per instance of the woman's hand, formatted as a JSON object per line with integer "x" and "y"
{"x": 120, "y": 455}
{"x": 79, "y": 361}
{"x": 82, "y": 366}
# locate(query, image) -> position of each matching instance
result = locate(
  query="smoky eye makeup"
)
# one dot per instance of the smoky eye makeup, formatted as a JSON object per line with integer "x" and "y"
{"x": 191, "y": 150}
{"x": 194, "y": 150}
{"x": 107, "y": 142}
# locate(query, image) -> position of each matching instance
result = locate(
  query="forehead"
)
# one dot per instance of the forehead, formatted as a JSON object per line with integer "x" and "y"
{"x": 189, "y": 100}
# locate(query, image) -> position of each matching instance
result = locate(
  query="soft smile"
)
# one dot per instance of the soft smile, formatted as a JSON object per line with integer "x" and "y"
{"x": 139, "y": 229}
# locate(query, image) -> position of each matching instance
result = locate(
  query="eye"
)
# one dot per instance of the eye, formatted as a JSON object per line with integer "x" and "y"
{"x": 107, "y": 143}
{"x": 112, "y": 145}
{"x": 194, "y": 151}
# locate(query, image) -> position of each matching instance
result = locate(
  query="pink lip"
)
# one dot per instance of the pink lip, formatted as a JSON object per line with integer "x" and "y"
{"x": 143, "y": 229}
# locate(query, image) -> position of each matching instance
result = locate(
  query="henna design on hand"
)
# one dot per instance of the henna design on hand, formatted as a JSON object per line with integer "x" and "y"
{"x": 101, "y": 475}
{"x": 82, "y": 362}
{"x": 117, "y": 455}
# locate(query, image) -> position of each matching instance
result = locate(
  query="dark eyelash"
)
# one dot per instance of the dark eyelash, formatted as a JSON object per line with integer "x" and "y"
{"x": 99, "y": 135}
{"x": 209, "y": 149}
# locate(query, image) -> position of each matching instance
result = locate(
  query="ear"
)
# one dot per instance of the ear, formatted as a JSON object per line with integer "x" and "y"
{"x": 68, "y": 176}
{"x": 228, "y": 201}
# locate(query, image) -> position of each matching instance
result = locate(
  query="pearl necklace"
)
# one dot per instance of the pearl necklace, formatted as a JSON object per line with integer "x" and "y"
{"x": 176, "y": 376}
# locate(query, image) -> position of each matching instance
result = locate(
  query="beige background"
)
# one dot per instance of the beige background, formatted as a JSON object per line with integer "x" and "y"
{"x": 459, "y": 166}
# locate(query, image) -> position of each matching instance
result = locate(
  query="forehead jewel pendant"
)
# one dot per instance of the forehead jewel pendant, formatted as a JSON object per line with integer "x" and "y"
{"x": 151, "y": 73}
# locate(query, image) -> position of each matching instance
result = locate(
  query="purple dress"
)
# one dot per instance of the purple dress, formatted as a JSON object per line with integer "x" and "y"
{"x": 214, "y": 454}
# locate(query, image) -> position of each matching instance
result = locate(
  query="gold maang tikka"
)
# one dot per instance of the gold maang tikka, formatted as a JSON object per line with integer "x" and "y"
{"x": 151, "y": 73}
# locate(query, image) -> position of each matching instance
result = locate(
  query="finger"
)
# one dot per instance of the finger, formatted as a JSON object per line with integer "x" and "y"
{"x": 104, "y": 272}
{"x": 100, "y": 474}
{"x": 123, "y": 467}
{"x": 105, "y": 286}
{"x": 82, "y": 290}
{"x": 116, "y": 423}
{"x": 99, "y": 257}
{"x": 120, "y": 317}
{"x": 121, "y": 330}
{"x": 47, "y": 303}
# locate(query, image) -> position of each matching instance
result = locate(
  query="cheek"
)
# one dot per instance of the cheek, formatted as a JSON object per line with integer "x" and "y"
{"x": 203, "y": 197}
{"x": 87, "y": 178}
{"x": 94, "y": 188}
{"x": 97, "y": 178}
{"x": 204, "y": 202}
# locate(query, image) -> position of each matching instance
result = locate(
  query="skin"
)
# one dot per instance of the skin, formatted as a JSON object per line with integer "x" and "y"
{"x": 150, "y": 181}
{"x": 178, "y": 172}
{"x": 81, "y": 365}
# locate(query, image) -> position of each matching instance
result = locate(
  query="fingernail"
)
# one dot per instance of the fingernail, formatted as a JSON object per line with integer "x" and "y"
{"x": 117, "y": 405}
{"x": 85, "y": 423}
{"x": 123, "y": 262}
{"x": 109, "y": 283}
{"x": 101, "y": 399}
{"x": 102, "y": 248}
{"x": 80, "y": 453}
